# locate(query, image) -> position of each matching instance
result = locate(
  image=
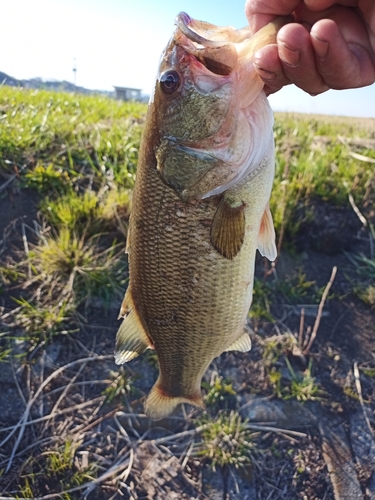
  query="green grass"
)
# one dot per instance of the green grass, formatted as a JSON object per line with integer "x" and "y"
{"x": 312, "y": 162}
{"x": 78, "y": 155}
{"x": 60, "y": 136}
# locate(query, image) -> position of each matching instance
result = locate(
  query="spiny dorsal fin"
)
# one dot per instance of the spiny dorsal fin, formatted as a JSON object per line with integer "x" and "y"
{"x": 228, "y": 228}
{"x": 266, "y": 241}
{"x": 131, "y": 339}
{"x": 242, "y": 344}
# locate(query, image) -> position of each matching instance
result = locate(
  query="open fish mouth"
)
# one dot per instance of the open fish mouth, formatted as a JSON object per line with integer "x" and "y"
{"x": 209, "y": 44}
{"x": 219, "y": 48}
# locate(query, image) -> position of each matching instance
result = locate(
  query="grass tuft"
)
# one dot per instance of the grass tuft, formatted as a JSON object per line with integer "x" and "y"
{"x": 226, "y": 441}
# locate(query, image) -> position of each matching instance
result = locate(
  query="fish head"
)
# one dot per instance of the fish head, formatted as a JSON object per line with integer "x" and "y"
{"x": 205, "y": 85}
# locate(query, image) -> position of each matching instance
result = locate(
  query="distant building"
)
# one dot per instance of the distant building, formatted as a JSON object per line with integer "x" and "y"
{"x": 128, "y": 94}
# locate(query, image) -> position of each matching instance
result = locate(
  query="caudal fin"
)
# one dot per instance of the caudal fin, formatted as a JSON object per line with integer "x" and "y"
{"x": 159, "y": 405}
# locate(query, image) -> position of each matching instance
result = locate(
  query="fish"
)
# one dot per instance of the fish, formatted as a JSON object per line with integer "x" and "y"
{"x": 200, "y": 208}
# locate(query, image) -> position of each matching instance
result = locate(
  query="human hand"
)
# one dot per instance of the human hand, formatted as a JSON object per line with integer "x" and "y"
{"x": 330, "y": 44}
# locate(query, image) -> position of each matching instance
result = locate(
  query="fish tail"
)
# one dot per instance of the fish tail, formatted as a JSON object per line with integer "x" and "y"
{"x": 159, "y": 404}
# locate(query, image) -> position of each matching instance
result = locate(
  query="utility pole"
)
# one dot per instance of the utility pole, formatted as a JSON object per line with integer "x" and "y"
{"x": 75, "y": 74}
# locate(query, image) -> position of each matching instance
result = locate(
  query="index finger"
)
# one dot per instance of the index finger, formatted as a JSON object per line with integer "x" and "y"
{"x": 261, "y": 12}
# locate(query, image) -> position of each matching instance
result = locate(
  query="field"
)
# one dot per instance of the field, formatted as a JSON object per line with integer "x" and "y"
{"x": 292, "y": 419}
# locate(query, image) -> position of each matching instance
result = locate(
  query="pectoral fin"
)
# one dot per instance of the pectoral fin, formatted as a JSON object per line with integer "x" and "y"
{"x": 266, "y": 241}
{"x": 131, "y": 339}
{"x": 242, "y": 344}
{"x": 228, "y": 228}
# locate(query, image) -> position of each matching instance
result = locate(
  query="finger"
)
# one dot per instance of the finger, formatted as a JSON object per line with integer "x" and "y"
{"x": 298, "y": 59}
{"x": 261, "y": 12}
{"x": 319, "y": 5}
{"x": 267, "y": 63}
{"x": 331, "y": 49}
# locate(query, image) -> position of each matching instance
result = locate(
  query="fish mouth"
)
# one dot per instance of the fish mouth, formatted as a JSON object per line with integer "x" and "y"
{"x": 211, "y": 45}
{"x": 220, "y": 48}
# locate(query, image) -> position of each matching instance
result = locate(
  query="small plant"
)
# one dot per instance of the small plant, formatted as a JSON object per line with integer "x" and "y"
{"x": 218, "y": 391}
{"x": 48, "y": 178}
{"x": 226, "y": 441}
{"x": 278, "y": 346}
{"x": 71, "y": 209}
{"x": 274, "y": 378}
{"x": 62, "y": 459}
{"x": 261, "y": 303}
{"x": 120, "y": 386}
{"x": 365, "y": 285}
{"x": 367, "y": 295}
{"x": 91, "y": 212}
{"x": 303, "y": 386}
{"x": 296, "y": 288}
{"x": 77, "y": 266}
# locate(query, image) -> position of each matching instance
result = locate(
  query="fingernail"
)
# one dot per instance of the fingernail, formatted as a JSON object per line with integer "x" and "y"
{"x": 264, "y": 74}
{"x": 289, "y": 56}
{"x": 320, "y": 47}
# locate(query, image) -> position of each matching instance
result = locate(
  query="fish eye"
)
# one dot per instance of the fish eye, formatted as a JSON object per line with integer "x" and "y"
{"x": 170, "y": 81}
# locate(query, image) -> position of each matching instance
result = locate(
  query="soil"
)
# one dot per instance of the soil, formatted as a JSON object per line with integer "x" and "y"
{"x": 320, "y": 449}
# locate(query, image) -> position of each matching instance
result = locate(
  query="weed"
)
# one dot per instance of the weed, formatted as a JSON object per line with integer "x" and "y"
{"x": 121, "y": 385}
{"x": 78, "y": 266}
{"x": 62, "y": 465}
{"x": 364, "y": 287}
{"x": 43, "y": 322}
{"x": 261, "y": 303}
{"x": 218, "y": 390}
{"x": 274, "y": 378}
{"x": 303, "y": 386}
{"x": 4, "y": 353}
{"x": 277, "y": 346}
{"x": 226, "y": 441}
{"x": 367, "y": 294}
{"x": 90, "y": 212}
{"x": 71, "y": 210}
{"x": 47, "y": 178}
{"x": 296, "y": 288}
{"x": 59, "y": 468}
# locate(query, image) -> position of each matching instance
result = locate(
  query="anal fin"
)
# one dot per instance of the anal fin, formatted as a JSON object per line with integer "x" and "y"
{"x": 228, "y": 228}
{"x": 266, "y": 241}
{"x": 242, "y": 344}
{"x": 131, "y": 338}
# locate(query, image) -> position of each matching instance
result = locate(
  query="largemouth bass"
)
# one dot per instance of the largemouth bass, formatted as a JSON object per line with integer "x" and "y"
{"x": 200, "y": 208}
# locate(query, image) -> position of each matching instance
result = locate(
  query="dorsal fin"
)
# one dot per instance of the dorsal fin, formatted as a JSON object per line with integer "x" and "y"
{"x": 266, "y": 241}
{"x": 228, "y": 228}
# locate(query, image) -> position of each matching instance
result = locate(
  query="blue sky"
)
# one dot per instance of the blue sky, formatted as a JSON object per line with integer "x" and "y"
{"x": 118, "y": 42}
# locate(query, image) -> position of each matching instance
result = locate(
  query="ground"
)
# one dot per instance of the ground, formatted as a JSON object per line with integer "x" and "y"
{"x": 286, "y": 465}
